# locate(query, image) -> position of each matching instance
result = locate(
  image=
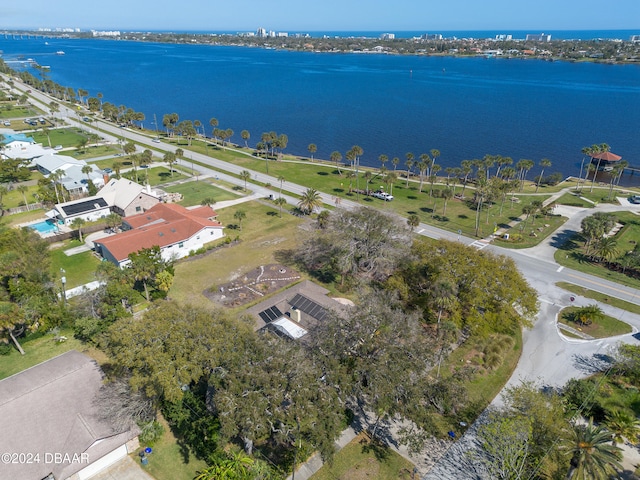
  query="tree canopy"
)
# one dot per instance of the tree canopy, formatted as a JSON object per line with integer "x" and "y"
{"x": 478, "y": 291}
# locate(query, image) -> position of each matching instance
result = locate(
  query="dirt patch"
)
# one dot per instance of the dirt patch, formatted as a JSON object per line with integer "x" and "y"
{"x": 369, "y": 468}
{"x": 250, "y": 286}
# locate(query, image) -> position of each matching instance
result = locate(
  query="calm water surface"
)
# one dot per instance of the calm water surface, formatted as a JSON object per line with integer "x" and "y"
{"x": 464, "y": 107}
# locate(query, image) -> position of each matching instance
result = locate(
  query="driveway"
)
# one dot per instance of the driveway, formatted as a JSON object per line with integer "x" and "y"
{"x": 125, "y": 469}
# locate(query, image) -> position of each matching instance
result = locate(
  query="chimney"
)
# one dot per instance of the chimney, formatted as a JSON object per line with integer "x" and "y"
{"x": 296, "y": 314}
{"x": 105, "y": 178}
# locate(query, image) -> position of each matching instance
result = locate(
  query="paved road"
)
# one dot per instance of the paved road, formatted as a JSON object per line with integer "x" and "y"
{"x": 548, "y": 357}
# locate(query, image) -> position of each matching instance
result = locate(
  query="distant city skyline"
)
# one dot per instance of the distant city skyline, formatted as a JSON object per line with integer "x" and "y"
{"x": 329, "y": 15}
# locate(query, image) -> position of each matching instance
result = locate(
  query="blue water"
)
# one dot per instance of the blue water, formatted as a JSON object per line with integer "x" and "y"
{"x": 464, "y": 107}
{"x": 46, "y": 226}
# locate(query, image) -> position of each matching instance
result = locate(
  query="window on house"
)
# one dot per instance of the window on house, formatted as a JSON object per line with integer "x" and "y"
{"x": 181, "y": 244}
{"x": 138, "y": 209}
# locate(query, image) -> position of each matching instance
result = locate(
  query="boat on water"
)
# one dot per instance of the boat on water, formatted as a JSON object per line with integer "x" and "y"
{"x": 59, "y": 52}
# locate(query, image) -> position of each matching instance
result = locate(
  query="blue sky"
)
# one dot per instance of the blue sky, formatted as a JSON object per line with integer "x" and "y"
{"x": 325, "y": 15}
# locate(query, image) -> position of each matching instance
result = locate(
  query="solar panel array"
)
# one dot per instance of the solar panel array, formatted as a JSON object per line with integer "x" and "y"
{"x": 86, "y": 206}
{"x": 309, "y": 307}
{"x": 270, "y": 314}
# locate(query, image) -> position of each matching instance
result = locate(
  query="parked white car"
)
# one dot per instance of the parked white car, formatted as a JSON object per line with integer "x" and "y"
{"x": 383, "y": 196}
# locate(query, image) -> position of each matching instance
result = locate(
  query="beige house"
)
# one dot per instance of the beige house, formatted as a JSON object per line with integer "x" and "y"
{"x": 126, "y": 197}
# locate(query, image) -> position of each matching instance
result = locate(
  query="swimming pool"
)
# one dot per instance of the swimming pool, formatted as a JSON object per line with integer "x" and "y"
{"x": 46, "y": 226}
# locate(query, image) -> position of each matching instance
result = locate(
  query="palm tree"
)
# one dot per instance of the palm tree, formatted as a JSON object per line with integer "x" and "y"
{"x": 596, "y": 150}
{"x": 197, "y": 124}
{"x": 446, "y": 195}
{"x": 623, "y": 425}
{"x": 86, "y": 169}
{"x": 214, "y": 123}
{"x": 413, "y": 221}
{"x": 55, "y": 177}
{"x": 593, "y": 457}
{"x": 336, "y": 157}
{"x": 383, "y": 159}
{"x": 524, "y": 165}
{"x": 245, "y": 175}
{"x": 207, "y": 201}
{"x": 395, "y": 161}
{"x": 368, "y": 176}
{"x": 423, "y": 166}
{"x": 435, "y": 153}
{"x": 280, "y": 202}
{"x": 170, "y": 158}
{"x": 588, "y": 314}
{"x": 351, "y": 175}
{"x": 465, "y": 169}
{"x": 78, "y": 224}
{"x": 309, "y": 201}
{"x": 433, "y": 177}
{"x": 245, "y": 135}
{"x": 239, "y": 216}
{"x": 281, "y": 179}
{"x": 585, "y": 151}
{"x": 390, "y": 178}
{"x": 409, "y": 164}
{"x": 544, "y": 163}
{"x": 23, "y": 189}
{"x": 313, "y": 148}
{"x": 606, "y": 248}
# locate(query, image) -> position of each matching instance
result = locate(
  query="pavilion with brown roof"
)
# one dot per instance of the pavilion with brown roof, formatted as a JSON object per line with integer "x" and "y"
{"x": 173, "y": 228}
{"x": 605, "y": 160}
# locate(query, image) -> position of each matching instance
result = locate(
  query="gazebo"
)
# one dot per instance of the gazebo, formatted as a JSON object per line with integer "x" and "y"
{"x": 605, "y": 160}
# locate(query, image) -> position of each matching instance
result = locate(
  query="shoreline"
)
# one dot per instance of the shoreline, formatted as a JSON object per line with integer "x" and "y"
{"x": 595, "y": 51}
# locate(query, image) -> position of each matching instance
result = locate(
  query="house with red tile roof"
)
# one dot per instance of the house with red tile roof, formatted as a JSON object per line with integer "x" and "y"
{"x": 174, "y": 228}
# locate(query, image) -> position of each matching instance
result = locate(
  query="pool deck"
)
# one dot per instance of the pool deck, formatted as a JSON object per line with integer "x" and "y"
{"x": 61, "y": 228}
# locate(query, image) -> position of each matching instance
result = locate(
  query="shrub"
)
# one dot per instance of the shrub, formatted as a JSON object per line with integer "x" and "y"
{"x": 150, "y": 432}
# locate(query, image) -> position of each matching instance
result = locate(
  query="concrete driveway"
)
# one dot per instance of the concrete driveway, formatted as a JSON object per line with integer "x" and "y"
{"x": 125, "y": 469}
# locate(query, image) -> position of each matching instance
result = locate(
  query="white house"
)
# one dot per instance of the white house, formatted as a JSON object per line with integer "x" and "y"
{"x": 173, "y": 228}
{"x": 19, "y": 146}
{"x": 73, "y": 179}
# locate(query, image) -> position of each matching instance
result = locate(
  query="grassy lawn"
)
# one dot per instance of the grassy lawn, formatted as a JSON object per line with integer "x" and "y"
{"x": 15, "y": 198}
{"x": 94, "y": 151}
{"x": 194, "y": 192}
{"x": 67, "y": 137}
{"x": 571, "y": 254}
{"x": 38, "y": 348}
{"x": 573, "y": 201}
{"x": 79, "y": 268}
{"x": 13, "y": 111}
{"x": 326, "y": 177}
{"x": 169, "y": 460}
{"x": 156, "y": 175}
{"x": 361, "y": 459}
{"x": 600, "y": 297}
{"x": 602, "y": 328}
{"x": 263, "y": 234}
{"x": 24, "y": 217}
{"x": 543, "y": 227}
{"x": 601, "y": 194}
{"x": 459, "y": 215}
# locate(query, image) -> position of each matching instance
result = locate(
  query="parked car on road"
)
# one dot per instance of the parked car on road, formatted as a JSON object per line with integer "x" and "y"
{"x": 635, "y": 199}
